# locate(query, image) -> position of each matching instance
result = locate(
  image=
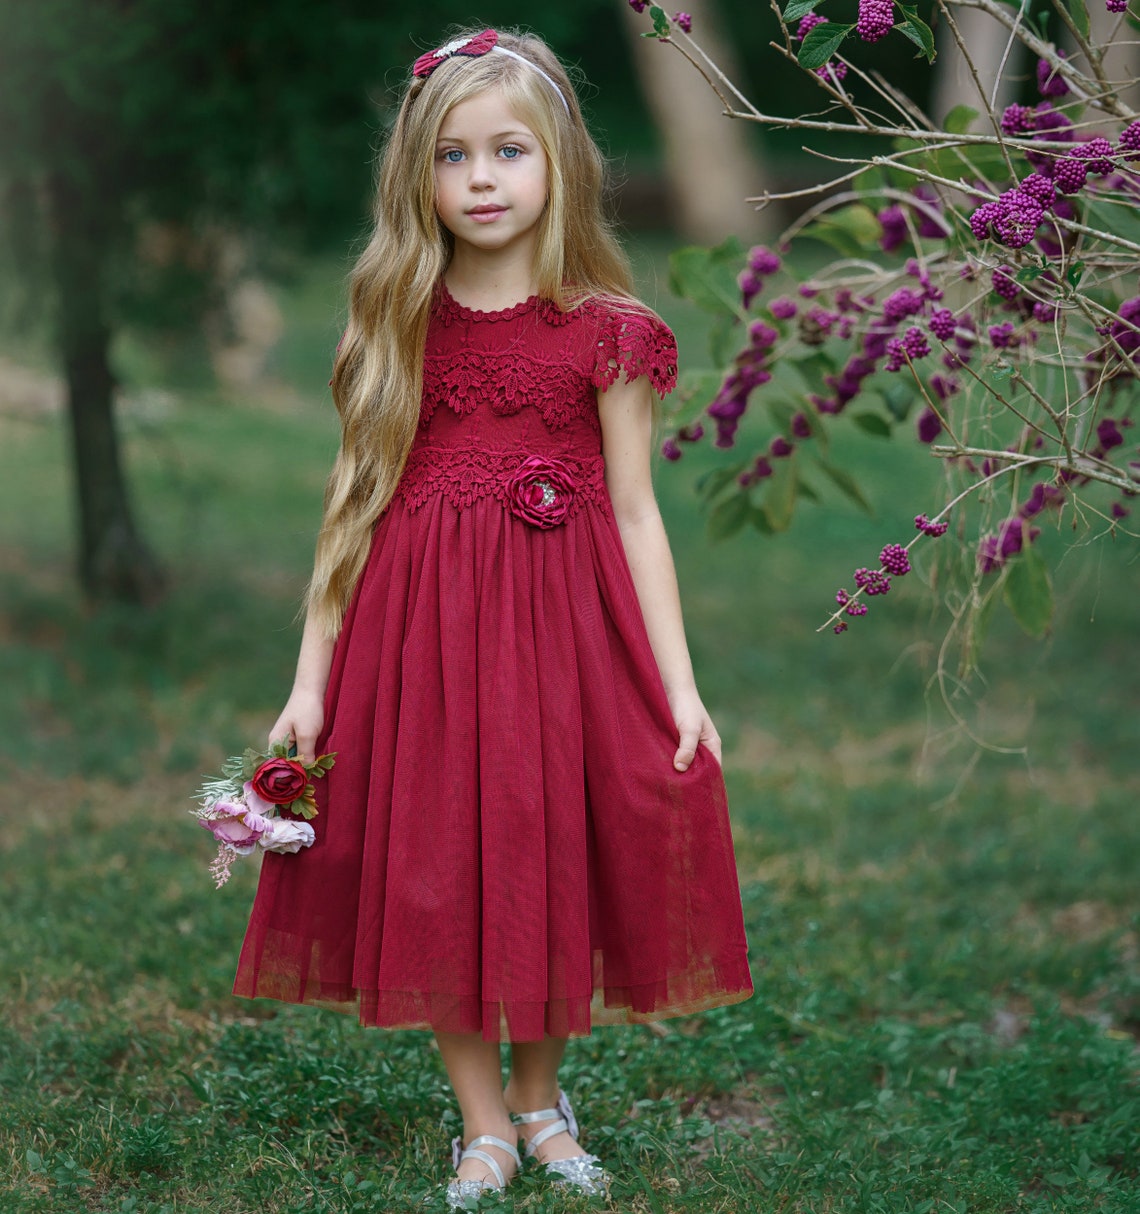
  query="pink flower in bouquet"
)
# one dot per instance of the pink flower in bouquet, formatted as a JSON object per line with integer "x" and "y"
{"x": 280, "y": 781}
{"x": 285, "y": 835}
{"x": 236, "y": 825}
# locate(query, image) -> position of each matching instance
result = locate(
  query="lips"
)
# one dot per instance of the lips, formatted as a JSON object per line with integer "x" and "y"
{"x": 486, "y": 210}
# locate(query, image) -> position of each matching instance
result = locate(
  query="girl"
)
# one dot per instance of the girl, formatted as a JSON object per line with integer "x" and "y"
{"x": 525, "y": 833}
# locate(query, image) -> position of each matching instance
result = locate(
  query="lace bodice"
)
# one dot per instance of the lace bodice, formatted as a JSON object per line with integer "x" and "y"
{"x": 503, "y": 388}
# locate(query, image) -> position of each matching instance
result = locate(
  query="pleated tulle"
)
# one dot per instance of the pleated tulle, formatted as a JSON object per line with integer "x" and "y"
{"x": 503, "y": 846}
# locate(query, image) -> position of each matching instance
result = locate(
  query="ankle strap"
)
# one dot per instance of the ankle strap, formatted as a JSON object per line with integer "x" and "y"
{"x": 492, "y": 1141}
{"x": 540, "y": 1115}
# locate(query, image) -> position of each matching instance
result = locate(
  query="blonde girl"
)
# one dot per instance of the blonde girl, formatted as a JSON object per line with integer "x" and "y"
{"x": 526, "y": 832}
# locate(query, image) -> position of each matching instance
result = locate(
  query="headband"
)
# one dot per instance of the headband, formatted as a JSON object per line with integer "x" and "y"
{"x": 475, "y": 47}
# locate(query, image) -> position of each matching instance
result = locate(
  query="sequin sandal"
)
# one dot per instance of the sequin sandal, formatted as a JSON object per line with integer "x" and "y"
{"x": 460, "y": 1192}
{"x": 582, "y": 1172}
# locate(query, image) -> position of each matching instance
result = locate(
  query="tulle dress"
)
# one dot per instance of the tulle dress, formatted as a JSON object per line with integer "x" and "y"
{"x": 504, "y": 845}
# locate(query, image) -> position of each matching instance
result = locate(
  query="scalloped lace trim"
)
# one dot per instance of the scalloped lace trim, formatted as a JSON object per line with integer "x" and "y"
{"x": 465, "y": 475}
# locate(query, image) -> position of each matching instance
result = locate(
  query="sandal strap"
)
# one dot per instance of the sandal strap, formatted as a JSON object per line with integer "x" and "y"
{"x": 491, "y": 1162}
{"x": 540, "y": 1115}
{"x": 558, "y": 1127}
{"x": 492, "y": 1141}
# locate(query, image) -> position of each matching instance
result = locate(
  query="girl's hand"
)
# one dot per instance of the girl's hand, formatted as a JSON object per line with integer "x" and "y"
{"x": 695, "y": 726}
{"x": 301, "y": 720}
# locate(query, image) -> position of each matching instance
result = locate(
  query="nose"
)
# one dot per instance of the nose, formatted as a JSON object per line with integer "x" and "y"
{"x": 481, "y": 175}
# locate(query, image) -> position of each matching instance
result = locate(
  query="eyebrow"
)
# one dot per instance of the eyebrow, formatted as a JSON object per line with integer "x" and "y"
{"x": 442, "y": 138}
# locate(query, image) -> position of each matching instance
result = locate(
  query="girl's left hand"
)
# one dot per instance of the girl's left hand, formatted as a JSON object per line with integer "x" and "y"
{"x": 695, "y": 726}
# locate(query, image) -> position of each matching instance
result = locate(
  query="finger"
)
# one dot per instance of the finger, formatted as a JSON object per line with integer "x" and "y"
{"x": 687, "y": 750}
{"x": 306, "y": 746}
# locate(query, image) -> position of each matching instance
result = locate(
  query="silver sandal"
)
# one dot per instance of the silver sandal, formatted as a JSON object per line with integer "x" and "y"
{"x": 460, "y": 1191}
{"x": 583, "y": 1172}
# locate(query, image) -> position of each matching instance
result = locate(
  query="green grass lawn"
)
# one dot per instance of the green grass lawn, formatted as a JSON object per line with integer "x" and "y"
{"x": 940, "y": 901}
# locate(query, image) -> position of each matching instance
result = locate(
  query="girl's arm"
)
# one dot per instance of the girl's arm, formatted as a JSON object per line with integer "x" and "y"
{"x": 304, "y": 713}
{"x": 626, "y": 412}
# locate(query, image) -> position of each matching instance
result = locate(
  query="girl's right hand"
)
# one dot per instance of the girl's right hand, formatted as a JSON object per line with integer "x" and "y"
{"x": 301, "y": 721}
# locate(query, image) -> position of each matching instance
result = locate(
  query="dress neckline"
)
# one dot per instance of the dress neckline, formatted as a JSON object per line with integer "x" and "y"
{"x": 450, "y": 305}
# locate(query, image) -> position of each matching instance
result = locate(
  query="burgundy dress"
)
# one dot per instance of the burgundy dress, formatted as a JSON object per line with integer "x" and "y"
{"x": 504, "y": 845}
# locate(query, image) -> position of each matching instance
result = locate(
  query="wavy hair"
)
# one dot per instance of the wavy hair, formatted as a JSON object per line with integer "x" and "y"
{"x": 377, "y": 377}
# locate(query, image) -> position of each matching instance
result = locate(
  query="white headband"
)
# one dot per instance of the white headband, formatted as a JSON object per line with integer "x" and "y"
{"x": 502, "y": 50}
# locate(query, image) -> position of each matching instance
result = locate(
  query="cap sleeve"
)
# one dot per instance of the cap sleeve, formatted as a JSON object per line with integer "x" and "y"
{"x": 638, "y": 343}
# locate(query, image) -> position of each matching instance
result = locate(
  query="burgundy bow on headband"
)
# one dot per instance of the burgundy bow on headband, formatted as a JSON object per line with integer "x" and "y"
{"x": 480, "y": 44}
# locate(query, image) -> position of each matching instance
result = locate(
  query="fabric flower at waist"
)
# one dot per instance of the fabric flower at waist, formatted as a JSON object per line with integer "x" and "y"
{"x": 541, "y": 490}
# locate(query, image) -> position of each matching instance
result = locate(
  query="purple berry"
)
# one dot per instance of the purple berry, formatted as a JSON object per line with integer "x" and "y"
{"x": 779, "y": 447}
{"x": 1019, "y": 218}
{"x": 801, "y": 427}
{"x": 1116, "y": 6}
{"x": 942, "y": 324}
{"x": 893, "y": 224}
{"x": 670, "y": 450}
{"x": 840, "y": 627}
{"x": 761, "y": 260}
{"x": 1017, "y": 120}
{"x": 750, "y": 285}
{"x": 808, "y": 22}
{"x": 1050, "y": 82}
{"x": 876, "y": 18}
{"x": 1004, "y": 284}
{"x": 1097, "y": 155}
{"x": 854, "y": 608}
{"x": 685, "y": 21}
{"x": 894, "y": 559}
{"x": 638, "y": 6}
{"x": 923, "y": 524}
{"x": 1109, "y": 434}
{"x": 900, "y": 304}
{"x": 1039, "y": 188}
{"x": 833, "y": 70}
{"x": 782, "y": 308}
{"x": 929, "y": 425}
{"x": 1070, "y": 174}
{"x": 761, "y": 469}
{"x": 1001, "y": 336}
{"x": 1130, "y": 137}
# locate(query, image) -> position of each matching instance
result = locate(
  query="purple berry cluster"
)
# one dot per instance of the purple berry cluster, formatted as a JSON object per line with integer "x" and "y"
{"x": 1050, "y": 82}
{"x": 922, "y": 523}
{"x": 876, "y": 19}
{"x": 762, "y": 263}
{"x": 909, "y": 348}
{"x": 943, "y": 324}
{"x": 894, "y": 560}
{"x": 808, "y": 22}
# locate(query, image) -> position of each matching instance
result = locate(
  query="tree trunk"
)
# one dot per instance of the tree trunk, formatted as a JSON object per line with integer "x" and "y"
{"x": 708, "y": 159}
{"x": 114, "y": 561}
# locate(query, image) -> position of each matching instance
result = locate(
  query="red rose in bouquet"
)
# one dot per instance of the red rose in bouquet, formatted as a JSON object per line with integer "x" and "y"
{"x": 280, "y": 781}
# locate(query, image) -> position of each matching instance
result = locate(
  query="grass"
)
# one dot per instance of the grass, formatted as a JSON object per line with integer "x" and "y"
{"x": 945, "y": 937}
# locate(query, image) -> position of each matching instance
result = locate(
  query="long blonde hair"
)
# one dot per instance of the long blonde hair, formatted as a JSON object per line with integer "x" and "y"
{"x": 378, "y": 372}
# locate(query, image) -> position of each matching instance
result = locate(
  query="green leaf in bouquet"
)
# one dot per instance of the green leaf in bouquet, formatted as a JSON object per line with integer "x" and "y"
{"x": 250, "y": 762}
{"x": 1028, "y": 593}
{"x": 305, "y": 806}
{"x": 708, "y": 276}
{"x": 821, "y": 43}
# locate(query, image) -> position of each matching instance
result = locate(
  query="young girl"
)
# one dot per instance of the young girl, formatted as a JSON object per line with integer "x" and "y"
{"x": 525, "y": 833}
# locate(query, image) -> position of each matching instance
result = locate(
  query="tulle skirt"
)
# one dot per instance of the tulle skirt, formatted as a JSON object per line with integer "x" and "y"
{"x": 504, "y": 845}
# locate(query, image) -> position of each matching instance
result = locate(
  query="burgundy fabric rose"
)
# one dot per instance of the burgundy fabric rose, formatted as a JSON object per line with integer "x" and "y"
{"x": 540, "y": 491}
{"x": 280, "y": 781}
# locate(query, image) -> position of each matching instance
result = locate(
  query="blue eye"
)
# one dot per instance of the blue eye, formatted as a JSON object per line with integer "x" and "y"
{"x": 510, "y": 152}
{"x": 452, "y": 156}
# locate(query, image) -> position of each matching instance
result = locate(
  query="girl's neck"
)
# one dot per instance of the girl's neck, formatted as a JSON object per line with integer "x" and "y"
{"x": 489, "y": 282}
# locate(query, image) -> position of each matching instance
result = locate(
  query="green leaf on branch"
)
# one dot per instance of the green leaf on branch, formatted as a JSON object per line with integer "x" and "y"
{"x": 872, "y": 423}
{"x": 1028, "y": 593}
{"x": 779, "y": 501}
{"x": 847, "y": 485}
{"x": 898, "y": 396}
{"x": 917, "y": 31}
{"x": 698, "y": 387}
{"x": 716, "y": 479}
{"x": 798, "y": 8}
{"x": 821, "y": 43}
{"x": 724, "y": 338}
{"x": 660, "y": 18}
{"x": 708, "y": 276}
{"x": 782, "y": 412}
{"x": 960, "y": 119}
{"x": 730, "y": 516}
{"x": 850, "y": 230}
{"x": 1080, "y": 16}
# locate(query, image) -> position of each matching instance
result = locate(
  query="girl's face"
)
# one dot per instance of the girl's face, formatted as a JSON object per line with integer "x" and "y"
{"x": 490, "y": 176}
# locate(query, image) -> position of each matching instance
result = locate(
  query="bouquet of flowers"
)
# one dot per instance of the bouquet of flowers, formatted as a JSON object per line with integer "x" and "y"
{"x": 241, "y": 808}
